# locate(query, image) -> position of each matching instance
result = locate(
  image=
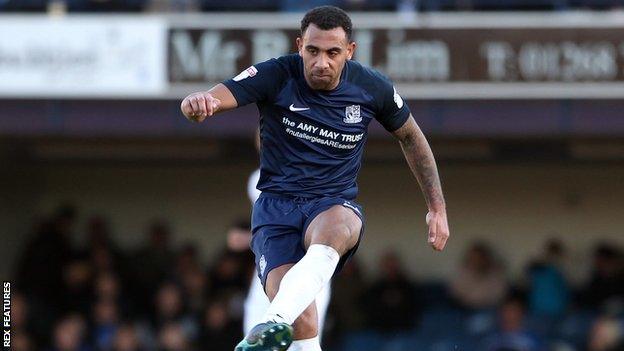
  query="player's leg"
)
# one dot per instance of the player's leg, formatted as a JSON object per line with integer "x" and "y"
{"x": 331, "y": 234}
{"x": 278, "y": 336}
{"x": 306, "y": 331}
{"x": 322, "y": 303}
{"x": 257, "y": 303}
{"x": 306, "y": 325}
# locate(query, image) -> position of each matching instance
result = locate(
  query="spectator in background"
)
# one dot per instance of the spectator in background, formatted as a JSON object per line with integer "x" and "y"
{"x": 186, "y": 260}
{"x": 479, "y": 282}
{"x": 190, "y": 274}
{"x": 107, "y": 287}
{"x": 231, "y": 275}
{"x": 126, "y": 339}
{"x": 98, "y": 234}
{"x": 170, "y": 309}
{"x": 347, "y": 305}
{"x": 218, "y": 331}
{"x": 173, "y": 338}
{"x": 69, "y": 334}
{"x": 105, "y": 324}
{"x": 238, "y": 239}
{"x": 151, "y": 265}
{"x": 225, "y": 277}
{"x": 102, "y": 251}
{"x": 511, "y": 334}
{"x": 606, "y": 335}
{"x": 21, "y": 341}
{"x": 606, "y": 285}
{"x": 40, "y": 268}
{"x": 78, "y": 289}
{"x": 102, "y": 259}
{"x": 392, "y": 301}
{"x": 21, "y": 323}
{"x": 19, "y": 312}
{"x": 194, "y": 284}
{"x": 549, "y": 293}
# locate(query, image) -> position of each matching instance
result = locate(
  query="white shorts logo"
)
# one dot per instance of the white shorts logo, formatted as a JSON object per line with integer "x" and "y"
{"x": 352, "y": 114}
{"x": 262, "y": 264}
{"x": 249, "y": 72}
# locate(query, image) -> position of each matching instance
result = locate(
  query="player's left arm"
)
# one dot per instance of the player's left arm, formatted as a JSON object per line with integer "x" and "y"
{"x": 422, "y": 163}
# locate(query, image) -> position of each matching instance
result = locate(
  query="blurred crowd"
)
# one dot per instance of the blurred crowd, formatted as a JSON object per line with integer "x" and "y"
{"x": 98, "y": 297}
{"x": 300, "y": 5}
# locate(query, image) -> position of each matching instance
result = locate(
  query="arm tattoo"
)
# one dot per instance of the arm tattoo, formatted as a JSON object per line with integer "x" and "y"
{"x": 422, "y": 163}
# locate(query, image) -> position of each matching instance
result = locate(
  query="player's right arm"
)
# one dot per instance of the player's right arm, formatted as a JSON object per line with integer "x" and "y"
{"x": 198, "y": 106}
{"x": 256, "y": 84}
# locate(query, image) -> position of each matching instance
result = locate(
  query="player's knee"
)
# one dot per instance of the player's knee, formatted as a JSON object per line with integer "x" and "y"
{"x": 338, "y": 227}
{"x": 347, "y": 232}
{"x": 306, "y": 326}
{"x": 344, "y": 232}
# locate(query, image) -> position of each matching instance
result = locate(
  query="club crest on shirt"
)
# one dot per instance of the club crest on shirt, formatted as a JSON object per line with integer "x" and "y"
{"x": 352, "y": 114}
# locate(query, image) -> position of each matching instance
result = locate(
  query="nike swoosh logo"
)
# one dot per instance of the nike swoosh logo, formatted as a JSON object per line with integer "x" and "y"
{"x": 296, "y": 109}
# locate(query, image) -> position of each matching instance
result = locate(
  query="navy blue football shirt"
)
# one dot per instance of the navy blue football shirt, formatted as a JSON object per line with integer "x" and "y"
{"x": 312, "y": 141}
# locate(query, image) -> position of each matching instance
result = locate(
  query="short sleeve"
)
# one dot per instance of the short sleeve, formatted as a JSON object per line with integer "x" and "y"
{"x": 260, "y": 82}
{"x": 393, "y": 111}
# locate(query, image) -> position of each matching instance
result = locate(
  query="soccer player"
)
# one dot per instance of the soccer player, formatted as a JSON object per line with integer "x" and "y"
{"x": 315, "y": 107}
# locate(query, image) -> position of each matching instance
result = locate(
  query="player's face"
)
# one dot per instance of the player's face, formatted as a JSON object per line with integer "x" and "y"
{"x": 324, "y": 54}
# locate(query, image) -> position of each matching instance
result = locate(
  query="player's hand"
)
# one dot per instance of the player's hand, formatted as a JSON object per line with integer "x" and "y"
{"x": 438, "y": 229}
{"x": 197, "y": 106}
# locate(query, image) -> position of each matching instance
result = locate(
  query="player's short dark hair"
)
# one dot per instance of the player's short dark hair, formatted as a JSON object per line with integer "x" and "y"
{"x": 326, "y": 18}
